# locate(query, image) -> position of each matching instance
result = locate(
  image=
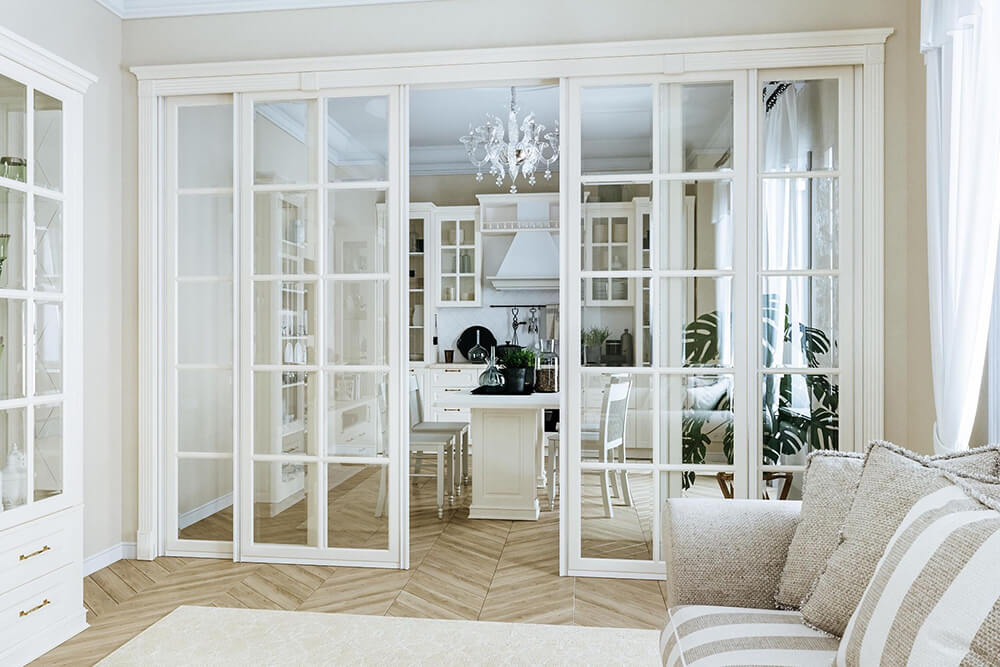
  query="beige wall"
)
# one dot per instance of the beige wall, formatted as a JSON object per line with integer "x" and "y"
{"x": 442, "y": 24}
{"x": 88, "y": 35}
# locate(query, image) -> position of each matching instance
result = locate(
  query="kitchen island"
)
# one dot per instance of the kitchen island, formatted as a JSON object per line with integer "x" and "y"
{"x": 505, "y": 433}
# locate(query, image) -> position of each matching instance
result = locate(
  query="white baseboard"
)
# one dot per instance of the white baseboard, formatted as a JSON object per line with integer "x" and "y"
{"x": 203, "y": 512}
{"x": 112, "y": 554}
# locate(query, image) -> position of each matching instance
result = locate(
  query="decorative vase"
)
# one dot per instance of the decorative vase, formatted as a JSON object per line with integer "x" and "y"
{"x": 514, "y": 379}
{"x": 15, "y": 479}
{"x": 491, "y": 377}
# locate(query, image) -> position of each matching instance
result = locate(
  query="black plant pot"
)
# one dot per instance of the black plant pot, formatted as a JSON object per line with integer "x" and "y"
{"x": 514, "y": 380}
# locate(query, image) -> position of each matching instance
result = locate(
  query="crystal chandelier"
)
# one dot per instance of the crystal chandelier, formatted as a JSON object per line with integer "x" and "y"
{"x": 520, "y": 153}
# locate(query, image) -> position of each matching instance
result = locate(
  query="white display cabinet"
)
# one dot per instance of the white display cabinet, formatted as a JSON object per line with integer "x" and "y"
{"x": 41, "y": 421}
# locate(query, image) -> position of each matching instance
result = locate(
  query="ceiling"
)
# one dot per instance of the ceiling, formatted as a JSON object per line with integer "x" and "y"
{"x": 136, "y": 9}
{"x": 616, "y": 123}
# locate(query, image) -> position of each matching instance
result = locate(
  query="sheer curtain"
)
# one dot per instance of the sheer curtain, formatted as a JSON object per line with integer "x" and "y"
{"x": 787, "y": 143}
{"x": 960, "y": 40}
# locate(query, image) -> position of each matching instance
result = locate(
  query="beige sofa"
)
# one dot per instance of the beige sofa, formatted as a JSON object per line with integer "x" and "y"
{"x": 724, "y": 560}
{"x": 879, "y": 556}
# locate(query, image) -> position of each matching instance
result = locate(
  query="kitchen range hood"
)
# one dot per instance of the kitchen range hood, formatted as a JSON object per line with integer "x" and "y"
{"x": 531, "y": 263}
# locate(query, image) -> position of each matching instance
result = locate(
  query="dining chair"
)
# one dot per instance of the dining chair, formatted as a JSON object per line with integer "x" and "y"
{"x": 606, "y": 444}
{"x": 460, "y": 431}
{"x": 439, "y": 445}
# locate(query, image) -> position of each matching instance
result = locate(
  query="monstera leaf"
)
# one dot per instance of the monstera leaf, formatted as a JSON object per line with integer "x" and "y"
{"x": 701, "y": 340}
{"x": 786, "y": 431}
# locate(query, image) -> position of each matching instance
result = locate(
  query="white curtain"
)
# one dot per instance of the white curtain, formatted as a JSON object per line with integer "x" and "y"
{"x": 960, "y": 40}
{"x": 797, "y": 137}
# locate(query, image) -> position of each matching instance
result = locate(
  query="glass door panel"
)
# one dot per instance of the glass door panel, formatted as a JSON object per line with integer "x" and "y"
{"x": 656, "y": 312}
{"x": 323, "y": 370}
{"x": 804, "y": 346}
{"x": 48, "y": 245}
{"x": 48, "y": 443}
{"x": 48, "y": 141}
{"x": 13, "y": 130}
{"x": 15, "y": 492}
{"x": 202, "y": 313}
{"x": 13, "y": 221}
{"x": 357, "y": 138}
{"x": 12, "y": 371}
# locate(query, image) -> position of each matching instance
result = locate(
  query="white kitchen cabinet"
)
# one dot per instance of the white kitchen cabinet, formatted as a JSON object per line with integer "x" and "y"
{"x": 458, "y": 269}
{"x": 609, "y": 245}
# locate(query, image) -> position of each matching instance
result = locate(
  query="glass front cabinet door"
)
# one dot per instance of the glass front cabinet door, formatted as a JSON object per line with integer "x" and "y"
{"x": 35, "y": 205}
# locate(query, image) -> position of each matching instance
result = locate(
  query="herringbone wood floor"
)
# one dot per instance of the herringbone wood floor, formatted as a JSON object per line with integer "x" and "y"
{"x": 460, "y": 568}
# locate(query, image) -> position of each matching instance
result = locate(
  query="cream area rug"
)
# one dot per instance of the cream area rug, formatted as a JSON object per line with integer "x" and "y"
{"x": 217, "y": 636}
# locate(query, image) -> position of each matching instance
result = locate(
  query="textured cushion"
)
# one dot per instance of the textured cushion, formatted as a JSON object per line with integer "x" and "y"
{"x": 935, "y": 596}
{"x": 831, "y": 481}
{"x": 893, "y": 480}
{"x": 725, "y": 552}
{"x": 703, "y": 635}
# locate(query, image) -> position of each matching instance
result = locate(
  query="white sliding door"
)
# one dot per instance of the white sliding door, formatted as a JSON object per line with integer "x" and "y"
{"x": 709, "y": 271}
{"x": 321, "y": 353}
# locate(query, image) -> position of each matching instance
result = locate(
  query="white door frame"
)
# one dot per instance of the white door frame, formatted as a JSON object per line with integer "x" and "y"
{"x": 862, "y": 48}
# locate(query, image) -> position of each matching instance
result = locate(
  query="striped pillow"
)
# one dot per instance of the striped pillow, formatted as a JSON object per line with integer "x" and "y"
{"x": 935, "y": 595}
{"x": 831, "y": 480}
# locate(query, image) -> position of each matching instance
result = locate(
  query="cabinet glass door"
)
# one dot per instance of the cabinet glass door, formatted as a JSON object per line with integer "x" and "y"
{"x": 458, "y": 261}
{"x": 417, "y": 239}
{"x": 32, "y": 306}
{"x": 323, "y": 364}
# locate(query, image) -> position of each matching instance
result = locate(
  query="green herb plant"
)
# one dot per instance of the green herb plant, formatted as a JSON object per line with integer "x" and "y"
{"x": 519, "y": 358}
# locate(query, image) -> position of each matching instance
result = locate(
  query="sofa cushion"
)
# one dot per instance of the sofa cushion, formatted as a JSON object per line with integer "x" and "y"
{"x": 696, "y": 635}
{"x": 892, "y": 480}
{"x": 828, "y": 490}
{"x": 831, "y": 480}
{"x": 935, "y": 595}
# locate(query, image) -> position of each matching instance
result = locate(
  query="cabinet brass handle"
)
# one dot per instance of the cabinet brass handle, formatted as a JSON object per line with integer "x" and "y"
{"x": 453, "y": 390}
{"x": 453, "y": 370}
{"x": 452, "y": 409}
{"x": 44, "y": 603}
{"x": 35, "y": 553}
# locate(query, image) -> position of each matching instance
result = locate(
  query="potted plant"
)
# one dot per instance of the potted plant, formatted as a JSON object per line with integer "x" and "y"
{"x": 515, "y": 368}
{"x": 593, "y": 339}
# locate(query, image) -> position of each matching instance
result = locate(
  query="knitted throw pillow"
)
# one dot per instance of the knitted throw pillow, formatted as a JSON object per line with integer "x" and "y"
{"x": 831, "y": 480}
{"x": 892, "y": 480}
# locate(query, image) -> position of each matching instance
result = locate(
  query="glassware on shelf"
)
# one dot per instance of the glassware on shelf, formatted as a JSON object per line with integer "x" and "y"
{"x": 547, "y": 368}
{"x": 14, "y": 168}
{"x": 491, "y": 377}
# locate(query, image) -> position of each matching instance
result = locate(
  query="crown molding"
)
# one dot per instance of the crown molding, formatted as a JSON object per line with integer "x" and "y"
{"x": 34, "y": 57}
{"x": 143, "y": 9}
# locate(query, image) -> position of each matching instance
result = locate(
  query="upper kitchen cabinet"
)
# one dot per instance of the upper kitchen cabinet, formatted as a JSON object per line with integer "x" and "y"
{"x": 421, "y": 222}
{"x": 615, "y": 237}
{"x": 459, "y": 256}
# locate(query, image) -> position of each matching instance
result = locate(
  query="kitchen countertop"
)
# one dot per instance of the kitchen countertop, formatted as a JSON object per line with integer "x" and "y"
{"x": 466, "y": 399}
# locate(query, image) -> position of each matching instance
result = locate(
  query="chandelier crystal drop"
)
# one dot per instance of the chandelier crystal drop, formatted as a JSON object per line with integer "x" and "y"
{"x": 524, "y": 149}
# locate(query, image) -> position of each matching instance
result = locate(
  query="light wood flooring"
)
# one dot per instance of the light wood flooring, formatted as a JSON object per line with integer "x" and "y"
{"x": 460, "y": 569}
